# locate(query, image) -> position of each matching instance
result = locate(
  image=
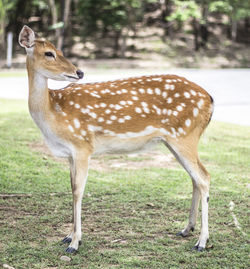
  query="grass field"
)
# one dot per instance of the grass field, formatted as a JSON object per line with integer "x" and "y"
{"x": 130, "y": 216}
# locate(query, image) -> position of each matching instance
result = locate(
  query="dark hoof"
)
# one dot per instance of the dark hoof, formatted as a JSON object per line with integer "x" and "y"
{"x": 71, "y": 250}
{"x": 180, "y": 234}
{"x": 197, "y": 248}
{"x": 67, "y": 240}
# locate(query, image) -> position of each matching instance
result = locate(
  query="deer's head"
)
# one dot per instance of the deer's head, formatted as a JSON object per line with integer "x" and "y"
{"x": 46, "y": 59}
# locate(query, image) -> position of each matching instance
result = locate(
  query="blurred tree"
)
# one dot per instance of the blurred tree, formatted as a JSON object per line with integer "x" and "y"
{"x": 65, "y": 10}
{"x": 5, "y": 7}
{"x": 235, "y": 10}
{"x": 185, "y": 11}
{"x": 108, "y": 17}
{"x": 54, "y": 15}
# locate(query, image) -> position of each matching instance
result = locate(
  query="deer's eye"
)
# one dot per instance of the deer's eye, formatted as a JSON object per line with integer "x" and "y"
{"x": 49, "y": 54}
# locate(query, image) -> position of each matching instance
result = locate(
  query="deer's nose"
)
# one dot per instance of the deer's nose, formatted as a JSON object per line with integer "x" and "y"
{"x": 79, "y": 73}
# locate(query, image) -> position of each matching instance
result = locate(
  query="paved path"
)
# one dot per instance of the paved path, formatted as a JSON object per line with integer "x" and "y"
{"x": 230, "y": 88}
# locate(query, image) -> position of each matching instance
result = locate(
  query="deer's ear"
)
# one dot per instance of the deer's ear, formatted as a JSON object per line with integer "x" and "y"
{"x": 26, "y": 37}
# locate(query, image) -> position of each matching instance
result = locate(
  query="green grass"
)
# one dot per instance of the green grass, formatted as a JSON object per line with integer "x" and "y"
{"x": 129, "y": 217}
{"x": 9, "y": 74}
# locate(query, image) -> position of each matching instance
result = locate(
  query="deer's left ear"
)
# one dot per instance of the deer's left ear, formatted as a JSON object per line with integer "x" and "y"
{"x": 26, "y": 38}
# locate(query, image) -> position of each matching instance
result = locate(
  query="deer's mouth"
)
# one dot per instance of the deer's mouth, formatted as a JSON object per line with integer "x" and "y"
{"x": 71, "y": 78}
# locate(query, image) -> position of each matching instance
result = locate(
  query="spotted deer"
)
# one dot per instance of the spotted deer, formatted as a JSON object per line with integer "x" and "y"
{"x": 117, "y": 116}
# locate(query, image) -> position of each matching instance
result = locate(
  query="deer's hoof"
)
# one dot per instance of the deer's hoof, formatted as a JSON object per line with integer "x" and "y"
{"x": 67, "y": 240}
{"x": 181, "y": 234}
{"x": 199, "y": 249}
{"x": 71, "y": 250}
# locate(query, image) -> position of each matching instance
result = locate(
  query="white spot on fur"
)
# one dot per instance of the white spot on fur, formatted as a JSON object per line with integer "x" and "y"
{"x": 167, "y": 86}
{"x": 127, "y": 117}
{"x": 134, "y": 92}
{"x": 164, "y": 111}
{"x": 83, "y": 132}
{"x": 149, "y": 91}
{"x": 130, "y": 102}
{"x": 177, "y": 95}
{"x": 164, "y": 120}
{"x": 121, "y": 120}
{"x": 157, "y": 79}
{"x": 71, "y": 128}
{"x": 164, "y": 94}
{"x": 181, "y": 131}
{"x": 135, "y": 98}
{"x": 195, "y": 112}
{"x": 179, "y": 108}
{"x": 193, "y": 93}
{"x": 107, "y": 111}
{"x": 77, "y": 123}
{"x": 93, "y": 128}
{"x": 138, "y": 110}
{"x": 118, "y": 107}
{"x": 123, "y": 103}
{"x": 113, "y": 117}
{"x": 77, "y": 106}
{"x": 85, "y": 111}
{"x": 200, "y": 103}
{"x": 95, "y": 95}
{"x": 158, "y": 110}
{"x": 169, "y": 100}
{"x": 175, "y": 113}
{"x": 71, "y": 103}
{"x": 93, "y": 115}
{"x": 141, "y": 90}
{"x": 157, "y": 91}
{"x": 187, "y": 94}
{"x": 100, "y": 119}
{"x": 188, "y": 122}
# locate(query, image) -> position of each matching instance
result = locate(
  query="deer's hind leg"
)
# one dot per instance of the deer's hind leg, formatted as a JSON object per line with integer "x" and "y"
{"x": 186, "y": 153}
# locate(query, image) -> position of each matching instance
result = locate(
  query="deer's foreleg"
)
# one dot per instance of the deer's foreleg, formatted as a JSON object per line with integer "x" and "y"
{"x": 79, "y": 173}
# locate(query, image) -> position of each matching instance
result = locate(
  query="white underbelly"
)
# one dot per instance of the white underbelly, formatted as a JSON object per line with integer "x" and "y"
{"x": 113, "y": 145}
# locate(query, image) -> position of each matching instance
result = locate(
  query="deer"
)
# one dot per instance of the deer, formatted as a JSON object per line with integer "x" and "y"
{"x": 118, "y": 116}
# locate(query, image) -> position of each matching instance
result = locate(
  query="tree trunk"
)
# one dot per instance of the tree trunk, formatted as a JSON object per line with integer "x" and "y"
{"x": 196, "y": 34}
{"x": 2, "y": 37}
{"x": 116, "y": 43}
{"x": 234, "y": 30}
{"x": 166, "y": 8}
{"x": 54, "y": 17}
{"x": 65, "y": 16}
{"x": 204, "y": 33}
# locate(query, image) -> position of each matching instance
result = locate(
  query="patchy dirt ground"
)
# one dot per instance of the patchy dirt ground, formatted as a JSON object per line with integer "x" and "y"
{"x": 153, "y": 158}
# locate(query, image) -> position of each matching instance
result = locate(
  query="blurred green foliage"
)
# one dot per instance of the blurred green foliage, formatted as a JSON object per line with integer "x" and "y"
{"x": 115, "y": 18}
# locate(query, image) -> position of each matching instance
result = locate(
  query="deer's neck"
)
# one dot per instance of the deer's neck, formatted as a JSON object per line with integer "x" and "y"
{"x": 39, "y": 101}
